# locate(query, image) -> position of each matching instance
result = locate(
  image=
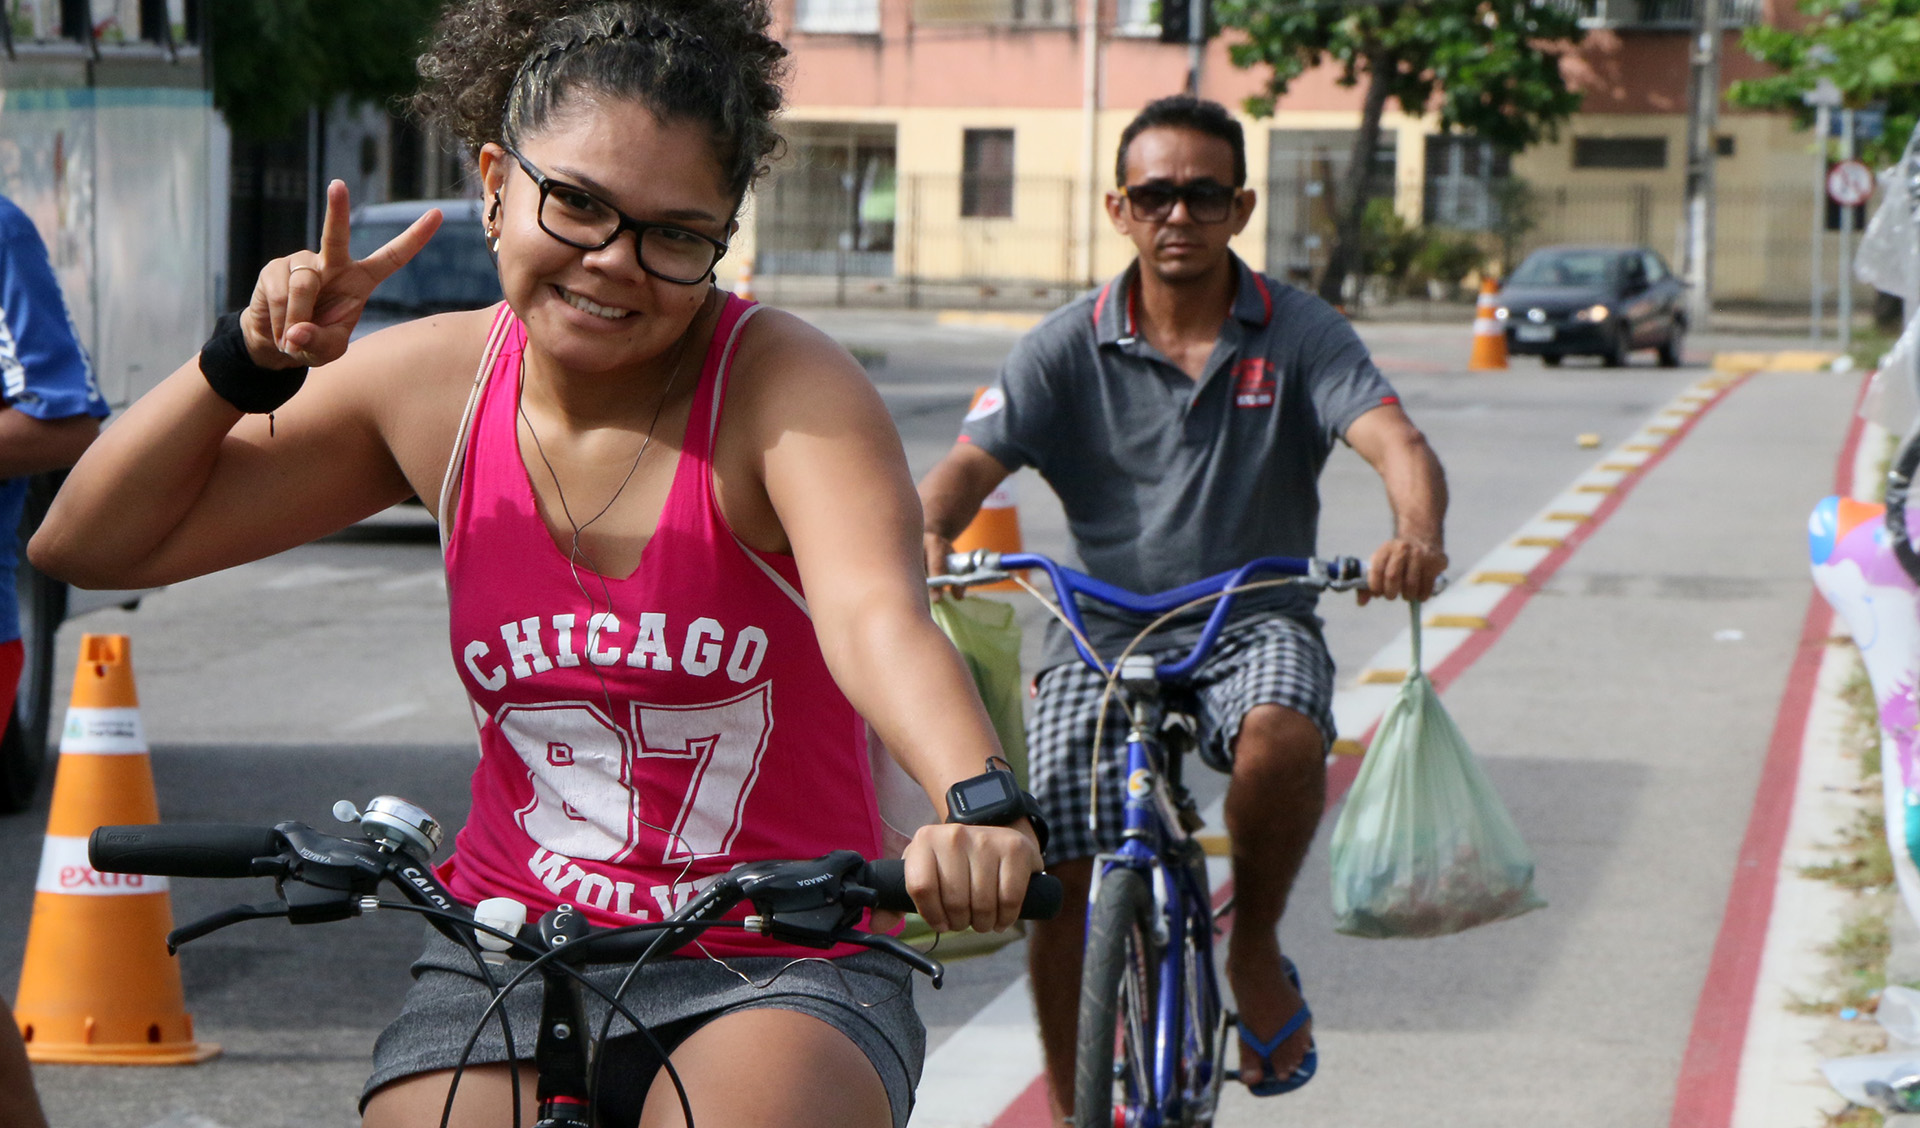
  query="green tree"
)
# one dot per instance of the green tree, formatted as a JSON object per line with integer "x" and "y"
{"x": 1871, "y": 51}
{"x": 273, "y": 59}
{"x": 1488, "y": 67}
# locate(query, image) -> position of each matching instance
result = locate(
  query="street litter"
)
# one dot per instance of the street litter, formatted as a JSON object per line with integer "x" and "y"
{"x": 1889, "y": 1082}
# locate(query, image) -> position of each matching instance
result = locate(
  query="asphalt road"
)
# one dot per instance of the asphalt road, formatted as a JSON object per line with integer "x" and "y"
{"x": 271, "y": 690}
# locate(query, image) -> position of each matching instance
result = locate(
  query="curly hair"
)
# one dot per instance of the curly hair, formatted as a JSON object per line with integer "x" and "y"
{"x": 497, "y": 70}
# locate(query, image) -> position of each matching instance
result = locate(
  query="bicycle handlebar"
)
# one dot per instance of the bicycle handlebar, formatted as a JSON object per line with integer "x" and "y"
{"x": 967, "y": 569}
{"x": 815, "y": 903}
{"x": 211, "y": 850}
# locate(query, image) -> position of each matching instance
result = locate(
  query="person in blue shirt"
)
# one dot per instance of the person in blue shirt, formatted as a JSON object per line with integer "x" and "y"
{"x": 51, "y": 410}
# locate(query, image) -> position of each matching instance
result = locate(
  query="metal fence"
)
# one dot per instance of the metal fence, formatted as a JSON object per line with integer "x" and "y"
{"x": 827, "y": 235}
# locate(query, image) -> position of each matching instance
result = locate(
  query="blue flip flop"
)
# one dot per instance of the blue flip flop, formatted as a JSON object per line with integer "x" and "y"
{"x": 1270, "y": 1083}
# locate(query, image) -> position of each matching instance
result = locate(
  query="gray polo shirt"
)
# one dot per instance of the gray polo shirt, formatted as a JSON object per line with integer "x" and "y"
{"x": 1166, "y": 480}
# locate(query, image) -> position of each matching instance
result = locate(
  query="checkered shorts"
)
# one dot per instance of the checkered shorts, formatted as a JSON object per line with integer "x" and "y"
{"x": 1276, "y": 660}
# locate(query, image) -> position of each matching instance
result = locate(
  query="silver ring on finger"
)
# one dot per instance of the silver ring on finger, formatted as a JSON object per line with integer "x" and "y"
{"x": 299, "y": 266}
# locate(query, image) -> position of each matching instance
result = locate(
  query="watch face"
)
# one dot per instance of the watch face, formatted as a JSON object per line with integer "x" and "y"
{"x": 982, "y": 792}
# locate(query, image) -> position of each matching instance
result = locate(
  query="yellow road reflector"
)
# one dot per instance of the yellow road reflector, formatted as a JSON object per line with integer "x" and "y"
{"x": 1802, "y": 360}
{"x": 1641, "y": 448}
{"x": 1593, "y": 487}
{"x": 1662, "y": 430}
{"x": 1620, "y": 467}
{"x": 1740, "y": 361}
{"x": 1538, "y": 542}
{"x": 1459, "y": 622}
{"x": 1588, "y": 441}
{"x": 1382, "y": 677}
{"x": 1348, "y": 748}
{"x": 1511, "y": 579}
{"x": 1576, "y": 518}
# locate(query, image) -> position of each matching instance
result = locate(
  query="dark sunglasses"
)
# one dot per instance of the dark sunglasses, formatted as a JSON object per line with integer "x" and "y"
{"x": 1208, "y": 201}
{"x": 581, "y": 219}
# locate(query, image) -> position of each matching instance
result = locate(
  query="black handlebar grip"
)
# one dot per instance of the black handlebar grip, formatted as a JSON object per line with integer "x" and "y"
{"x": 186, "y": 850}
{"x": 888, "y": 878}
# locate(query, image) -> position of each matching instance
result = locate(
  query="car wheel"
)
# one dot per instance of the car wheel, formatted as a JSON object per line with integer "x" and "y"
{"x": 43, "y": 607}
{"x": 1551, "y": 360}
{"x": 1673, "y": 349}
{"x": 1617, "y": 356}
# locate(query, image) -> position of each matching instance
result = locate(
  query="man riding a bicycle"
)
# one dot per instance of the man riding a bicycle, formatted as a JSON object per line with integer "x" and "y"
{"x": 1182, "y": 413}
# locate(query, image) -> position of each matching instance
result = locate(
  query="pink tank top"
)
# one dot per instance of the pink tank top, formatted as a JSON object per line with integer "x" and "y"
{"x": 638, "y": 735}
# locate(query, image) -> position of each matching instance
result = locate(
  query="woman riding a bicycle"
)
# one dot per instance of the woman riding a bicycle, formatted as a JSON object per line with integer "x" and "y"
{"x": 682, "y": 556}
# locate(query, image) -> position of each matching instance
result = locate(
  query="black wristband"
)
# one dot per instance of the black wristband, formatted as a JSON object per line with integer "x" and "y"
{"x": 233, "y": 375}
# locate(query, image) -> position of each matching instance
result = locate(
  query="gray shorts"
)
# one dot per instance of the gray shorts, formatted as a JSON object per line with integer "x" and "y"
{"x": 867, "y": 996}
{"x": 1272, "y": 661}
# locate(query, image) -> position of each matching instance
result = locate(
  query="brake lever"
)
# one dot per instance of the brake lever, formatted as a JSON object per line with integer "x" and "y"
{"x": 899, "y": 949}
{"x": 220, "y": 920}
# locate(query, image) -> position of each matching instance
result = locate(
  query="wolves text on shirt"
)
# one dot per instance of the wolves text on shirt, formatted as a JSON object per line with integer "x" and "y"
{"x": 534, "y": 645}
{"x": 565, "y": 878}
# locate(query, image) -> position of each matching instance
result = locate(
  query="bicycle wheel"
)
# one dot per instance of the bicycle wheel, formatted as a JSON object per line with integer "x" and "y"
{"x": 1113, "y": 1062}
{"x": 1204, "y": 1023}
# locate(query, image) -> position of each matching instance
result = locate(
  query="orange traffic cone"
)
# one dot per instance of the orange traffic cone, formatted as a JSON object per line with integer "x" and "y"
{"x": 97, "y": 986}
{"x": 744, "y": 287}
{"x": 996, "y": 527}
{"x": 1489, "y": 337}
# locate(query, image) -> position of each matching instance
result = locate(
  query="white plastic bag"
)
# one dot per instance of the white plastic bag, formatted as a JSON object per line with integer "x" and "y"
{"x": 1424, "y": 846}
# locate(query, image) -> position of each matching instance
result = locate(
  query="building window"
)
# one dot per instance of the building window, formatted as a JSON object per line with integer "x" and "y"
{"x": 986, "y": 173}
{"x": 1619, "y": 152}
{"x": 1723, "y": 145}
{"x": 1461, "y": 175}
{"x": 837, "y": 17}
{"x": 1136, "y": 18}
{"x": 996, "y": 13}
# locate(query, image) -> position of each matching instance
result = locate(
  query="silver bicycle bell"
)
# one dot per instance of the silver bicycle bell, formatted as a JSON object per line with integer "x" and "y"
{"x": 397, "y": 824}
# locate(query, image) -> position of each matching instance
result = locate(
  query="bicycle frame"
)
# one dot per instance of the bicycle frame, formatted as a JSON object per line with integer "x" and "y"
{"x": 1190, "y": 1019}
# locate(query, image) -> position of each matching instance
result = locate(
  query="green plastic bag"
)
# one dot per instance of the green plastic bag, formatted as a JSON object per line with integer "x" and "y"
{"x": 988, "y": 637}
{"x": 1424, "y": 846}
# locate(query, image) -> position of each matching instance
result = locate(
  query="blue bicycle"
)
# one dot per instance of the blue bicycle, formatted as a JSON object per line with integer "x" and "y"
{"x": 1152, "y": 1021}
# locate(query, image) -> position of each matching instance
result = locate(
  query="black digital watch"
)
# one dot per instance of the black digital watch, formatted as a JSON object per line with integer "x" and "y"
{"x": 994, "y": 798}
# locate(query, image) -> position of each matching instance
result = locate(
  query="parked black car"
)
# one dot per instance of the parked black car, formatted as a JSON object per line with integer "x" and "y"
{"x": 1593, "y": 301}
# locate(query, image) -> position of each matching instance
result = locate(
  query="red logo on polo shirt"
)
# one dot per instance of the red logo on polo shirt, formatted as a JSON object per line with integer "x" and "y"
{"x": 1253, "y": 383}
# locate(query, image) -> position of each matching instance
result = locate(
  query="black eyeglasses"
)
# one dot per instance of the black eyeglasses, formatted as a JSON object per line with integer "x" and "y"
{"x": 581, "y": 219}
{"x": 1208, "y": 201}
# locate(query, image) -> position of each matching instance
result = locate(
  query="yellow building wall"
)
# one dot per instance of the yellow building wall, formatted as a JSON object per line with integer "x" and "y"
{"x": 1765, "y": 194}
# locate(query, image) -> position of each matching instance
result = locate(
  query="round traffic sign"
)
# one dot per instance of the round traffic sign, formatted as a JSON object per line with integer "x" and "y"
{"x": 1850, "y": 183}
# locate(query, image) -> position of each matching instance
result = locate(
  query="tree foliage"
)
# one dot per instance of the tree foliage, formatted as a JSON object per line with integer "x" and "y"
{"x": 1871, "y": 51}
{"x": 1486, "y": 67}
{"x": 273, "y": 59}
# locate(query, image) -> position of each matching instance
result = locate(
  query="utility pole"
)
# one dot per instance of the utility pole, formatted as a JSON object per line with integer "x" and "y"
{"x": 1702, "y": 151}
{"x": 1824, "y": 98}
{"x": 1196, "y": 43}
{"x": 1089, "y": 133}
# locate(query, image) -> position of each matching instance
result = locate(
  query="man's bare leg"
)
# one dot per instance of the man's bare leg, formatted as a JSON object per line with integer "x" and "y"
{"x": 1273, "y": 806}
{"x": 1054, "y": 949}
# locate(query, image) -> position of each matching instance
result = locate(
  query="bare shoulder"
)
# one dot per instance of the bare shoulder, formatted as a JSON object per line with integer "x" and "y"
{"x": 412, "y": 381}
{"x": 787, "y": 369}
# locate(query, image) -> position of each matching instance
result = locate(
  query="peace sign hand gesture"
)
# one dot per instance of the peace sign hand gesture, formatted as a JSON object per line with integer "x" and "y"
{"x": 304, "y": 306}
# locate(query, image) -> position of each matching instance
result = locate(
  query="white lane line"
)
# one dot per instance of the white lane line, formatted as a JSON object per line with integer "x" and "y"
{"x": 955, "y": 1091}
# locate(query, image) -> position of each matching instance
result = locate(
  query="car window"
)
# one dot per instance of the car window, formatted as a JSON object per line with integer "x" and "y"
{"x": 1656, "y": 270}
{"x": 1564, "y": 268}
{"x": 453, "y": 271}
{"x": 1634, "y": 271}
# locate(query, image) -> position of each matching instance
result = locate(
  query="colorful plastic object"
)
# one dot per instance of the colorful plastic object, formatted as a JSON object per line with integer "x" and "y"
{"x": 1855, "y": 568}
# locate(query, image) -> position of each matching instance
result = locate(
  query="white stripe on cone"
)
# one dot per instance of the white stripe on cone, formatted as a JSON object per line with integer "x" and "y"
{"x": 103, "y": 732}
{"x": 64, "y": 869}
